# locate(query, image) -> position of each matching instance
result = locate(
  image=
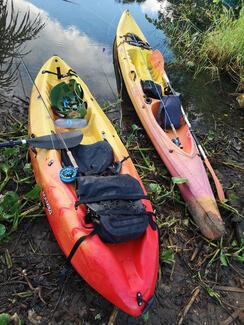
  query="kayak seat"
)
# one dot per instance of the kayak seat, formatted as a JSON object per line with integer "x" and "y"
{"x": 115, "y": 209}
{"x": 170, "y": 112}
{"x": 92, "y": 189}
{"x": 151, "y": 89}
{"x": 109, "y": 198}
{"x": 91, "y": 159}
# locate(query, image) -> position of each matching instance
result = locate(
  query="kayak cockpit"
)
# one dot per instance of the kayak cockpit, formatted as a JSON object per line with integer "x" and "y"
{"x": 182, "y": 132}
{"x": 147, "y": 70}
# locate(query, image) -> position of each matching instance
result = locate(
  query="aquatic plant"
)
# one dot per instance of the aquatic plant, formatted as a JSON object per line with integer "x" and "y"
{"x": 16, "y": 177}
{"x": 207, "y": 36}
{"x": 224, "y": 45}
{"x": 15, "y": 30}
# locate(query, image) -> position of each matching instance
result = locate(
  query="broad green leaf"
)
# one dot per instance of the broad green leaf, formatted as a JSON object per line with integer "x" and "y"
{"x": 135, "y": 127}
{"x": 179, "y": 180}
{"x": 240, "y": 258}
{"x": 223, "y": 259}
{"x": 34, "y": 194}
{"x": 11, "y": 152}
{"x": 234, "y": 243}
{"x": 4, "y": 319}
{"x": 5, "y": 167}
{"x": 28, "y": 168}
{"x": 155, "y": 188}
{"x": 2, "y": 232}
{"x": 9, "y": 204}
{"x": 167, "y": 256}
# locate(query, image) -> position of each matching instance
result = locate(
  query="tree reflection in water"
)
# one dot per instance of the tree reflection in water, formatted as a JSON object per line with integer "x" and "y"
{"x": 15, "y": 30}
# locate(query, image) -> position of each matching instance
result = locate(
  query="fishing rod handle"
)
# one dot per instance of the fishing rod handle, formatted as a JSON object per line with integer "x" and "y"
{"x": 12, "y": 143}
{"x": 72, "y": 159}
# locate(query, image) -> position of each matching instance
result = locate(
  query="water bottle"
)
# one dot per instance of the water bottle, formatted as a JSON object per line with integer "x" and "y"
{"x": 71, "y": 123}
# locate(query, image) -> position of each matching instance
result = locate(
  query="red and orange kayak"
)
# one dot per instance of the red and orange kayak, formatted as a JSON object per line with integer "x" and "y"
{"x": 137, "y": 63}
{"x": 117, "y": 271}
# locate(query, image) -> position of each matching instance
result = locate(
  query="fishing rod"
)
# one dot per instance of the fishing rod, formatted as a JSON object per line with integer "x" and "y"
{"x": 176, "y": 140}
{"x": 204, "y": 157}
{"x": 61, "y": 136}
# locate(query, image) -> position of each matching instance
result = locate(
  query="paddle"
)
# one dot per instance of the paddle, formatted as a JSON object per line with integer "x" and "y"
{"x": 51, "y": 141}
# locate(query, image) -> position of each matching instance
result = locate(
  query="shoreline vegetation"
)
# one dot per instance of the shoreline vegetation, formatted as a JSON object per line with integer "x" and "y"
{"x": 15, "y": 30}
{"x": 207, "y": 36}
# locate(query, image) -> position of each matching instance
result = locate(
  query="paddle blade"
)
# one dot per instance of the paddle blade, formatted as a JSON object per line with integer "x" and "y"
{"x": 156, "y": 60}
{"x": 218, "y": 186}
{"x": 57, "y": 140}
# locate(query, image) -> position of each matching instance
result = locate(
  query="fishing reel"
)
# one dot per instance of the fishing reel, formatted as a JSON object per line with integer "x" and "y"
{"x": 68, "y": 174}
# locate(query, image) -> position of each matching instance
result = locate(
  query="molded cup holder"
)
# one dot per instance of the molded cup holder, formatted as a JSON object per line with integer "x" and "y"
{"x": 148, "y": 100}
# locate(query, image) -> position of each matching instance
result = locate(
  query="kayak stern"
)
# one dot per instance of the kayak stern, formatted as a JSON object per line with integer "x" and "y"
{"x": 206, "y": 215}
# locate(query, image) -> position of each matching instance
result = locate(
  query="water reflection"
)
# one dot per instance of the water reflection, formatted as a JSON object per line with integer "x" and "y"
{"x": 155, "y": 6}
{"x": 149, "y": 6}
{"x": 14, "y": 32}
{"x": 91, "y": 60}
{"x": 83, "y": 36}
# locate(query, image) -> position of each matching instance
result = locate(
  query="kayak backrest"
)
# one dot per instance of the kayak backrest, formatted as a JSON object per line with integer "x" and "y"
{"x": 103, "y": 189}
{"x": 170, "y": 112}
{"x": 151, "y": 89}
{"x": 91, "y": 159}
{"x": 117, "y": 213}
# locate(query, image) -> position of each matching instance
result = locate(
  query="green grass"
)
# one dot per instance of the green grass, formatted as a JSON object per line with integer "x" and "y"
{"x": 207, "y": 36}
{"x": 224, "y": 45}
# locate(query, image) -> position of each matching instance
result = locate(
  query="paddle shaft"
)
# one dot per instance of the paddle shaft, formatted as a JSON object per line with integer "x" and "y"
{"x": 13, "y": 143}
{"x": 52, "y": 141}
{"x": 218, "y": 185}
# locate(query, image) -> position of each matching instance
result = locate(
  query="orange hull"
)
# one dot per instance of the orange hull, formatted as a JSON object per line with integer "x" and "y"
{"x": 116, "y": 271}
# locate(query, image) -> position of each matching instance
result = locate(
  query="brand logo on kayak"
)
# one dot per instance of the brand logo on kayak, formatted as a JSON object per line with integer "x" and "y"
{"x": 47, "y": 205}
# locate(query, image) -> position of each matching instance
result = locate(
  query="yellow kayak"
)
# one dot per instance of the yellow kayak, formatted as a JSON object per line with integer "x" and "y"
{"x": 125, "y": 272}
{"x": 160, "y": 112}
